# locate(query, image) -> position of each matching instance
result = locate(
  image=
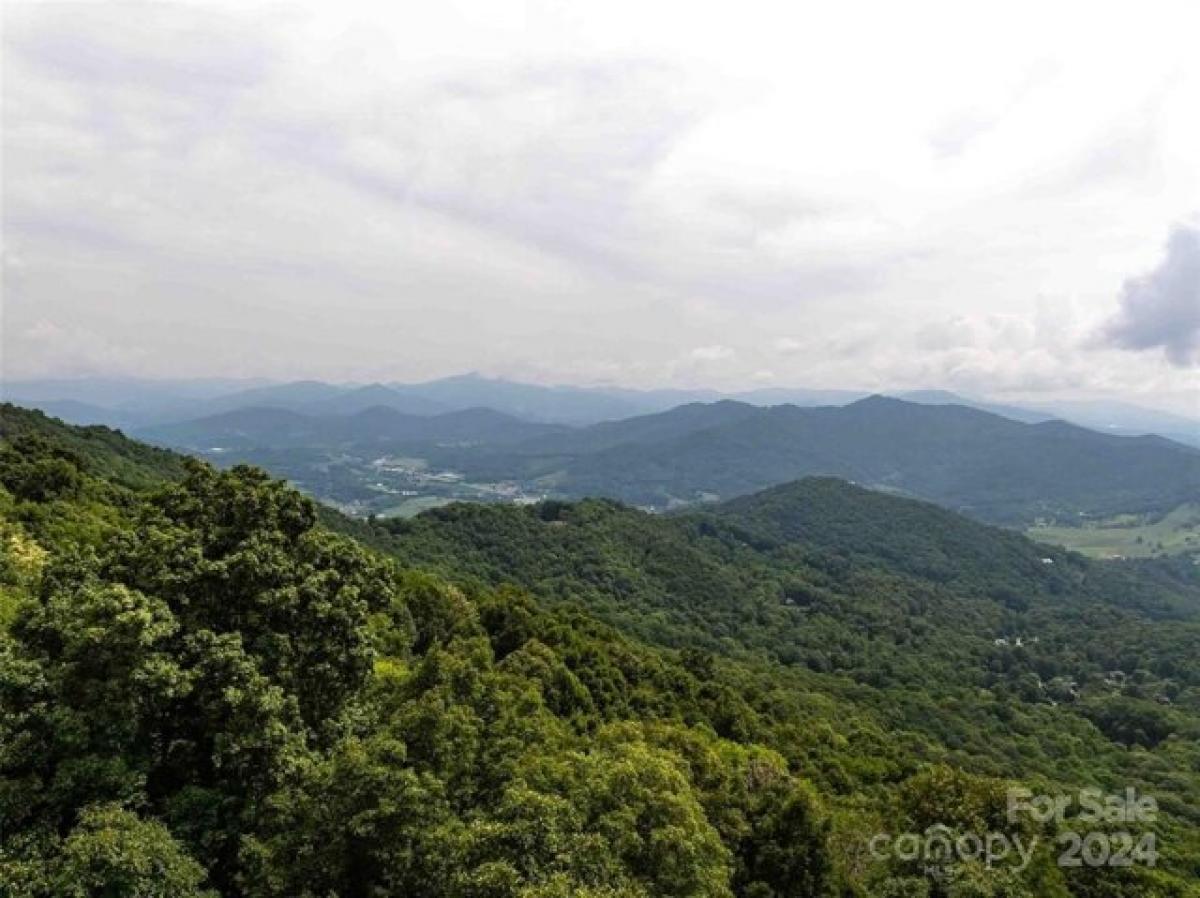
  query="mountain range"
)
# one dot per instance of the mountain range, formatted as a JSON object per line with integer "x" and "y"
{"x": 973, "y": 461}
{"x": 376, "y": 425}
{"x": 135, "y": 404}
{"x": 967, "y": 459}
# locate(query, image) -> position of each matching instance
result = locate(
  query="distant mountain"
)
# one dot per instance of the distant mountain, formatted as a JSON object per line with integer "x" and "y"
{"x": 945, "y": 397}
{"x": 124, "y": 403}
{"x": 348, "y": 402}
{"x": 242, "y": 428}
{"x": 84, "y": 413}
{"x": 377, "y": 426}
{"x": 296, "y": 396}
{"x": 532, "y": 402}
{"x": 1126, "y": 418}
{"x": 973, "y": 461}
{"x": 385, "y": 426}
{"x": 983, "y": 464}
{"x": 563, "y": 405}
{"x": 122, "y": 392}
{"x": 134, "y": 403}
{"x": 648, "y": 429}
{"x": 800, "y": 397}
{"x": 1120, "y": 418}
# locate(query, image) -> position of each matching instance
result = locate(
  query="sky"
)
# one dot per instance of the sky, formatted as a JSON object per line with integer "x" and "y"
{"x": 1000, "y": 199}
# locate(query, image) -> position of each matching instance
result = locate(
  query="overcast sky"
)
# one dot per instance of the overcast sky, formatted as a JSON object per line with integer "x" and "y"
{"x": 998, "y": 198}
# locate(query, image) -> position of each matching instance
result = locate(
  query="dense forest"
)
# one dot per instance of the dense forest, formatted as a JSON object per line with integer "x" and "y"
{"x": 210, "y": 686}
{"x": 990, "y": 467}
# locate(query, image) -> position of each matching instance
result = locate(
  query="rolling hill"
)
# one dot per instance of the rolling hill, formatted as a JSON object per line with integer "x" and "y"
{"x": 375, "y": 426}
{"x": 969, "y": 460}
{"x": 557, "y": 404}
{"x": 107, "y": 452}
{"x": 674, "y": 424}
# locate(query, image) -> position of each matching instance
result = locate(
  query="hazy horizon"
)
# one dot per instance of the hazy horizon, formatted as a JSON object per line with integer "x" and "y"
{"x": 220, "y": 387}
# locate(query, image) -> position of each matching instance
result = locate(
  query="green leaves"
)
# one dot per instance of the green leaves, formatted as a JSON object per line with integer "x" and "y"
{"x": 112, "y": 853}
{"x": 620, "y": 815}
{"x": 34, "y": 470}
{"x": 188, "y": 665}
{"x": 238, "y": 553}
{"x": 360, "y": 821}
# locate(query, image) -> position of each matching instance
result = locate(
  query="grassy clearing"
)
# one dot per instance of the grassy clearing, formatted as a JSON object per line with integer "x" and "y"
{"x": 414, "y": 506}
{"x": 1130, "y": 537}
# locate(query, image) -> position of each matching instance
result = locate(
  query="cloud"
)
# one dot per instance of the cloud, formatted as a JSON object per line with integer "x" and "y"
{"x": 955, "y": 333}
{"x": 164, "y": 48}
{"x": 712, "y": 353}
{"x": 788, "y": 345}
{"x": 954, "y": 134}
{"x": 1161, "y": 309}
{"x": 551, "y": 156}
{"x": 89, "y": 352}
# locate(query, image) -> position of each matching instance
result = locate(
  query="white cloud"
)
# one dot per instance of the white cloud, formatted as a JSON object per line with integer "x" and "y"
{"x": 713, "y": 353}
{"x": 788, "y": 345}
{"x": 90, "y": 353}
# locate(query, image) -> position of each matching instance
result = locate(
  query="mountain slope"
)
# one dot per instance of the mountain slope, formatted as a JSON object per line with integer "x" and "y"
{"x": 360, "y": 399}
{"x": 556, "y": 404}
{"x": 203, "y": 691}
{"x": 765, "y": 396}
{"x": 966, "y": 459}
{"x": 85, "y": 414}
{"x": 108, "y": 453}
{"x": 905, "y": 535}
{"x": 241, "y": 428}
{"x": 940, "y": 625}
{"x": 1127, "y": 418}
{"x": 376, "y": 426}
{"x": 945, "y": 397}
{"x": 645, "y": 430}
{"x": 295, "y": 396}
{"x": 716, "y": 571}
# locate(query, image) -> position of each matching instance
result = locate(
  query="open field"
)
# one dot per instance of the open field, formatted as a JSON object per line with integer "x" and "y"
{"x": 414, "y": 506}
{"x": 1175, "y": 533}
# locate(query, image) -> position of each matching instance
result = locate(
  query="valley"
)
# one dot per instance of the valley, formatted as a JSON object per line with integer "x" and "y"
{"x": 1129, "y": 536}
{"x": 401, "y": 457}
{"x": 361, "y": 484}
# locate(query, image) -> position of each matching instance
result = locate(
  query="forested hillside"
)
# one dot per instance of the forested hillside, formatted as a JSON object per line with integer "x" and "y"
{"x": 981, "y": 464}
{"x": 374, "y": 426}
{"x": 206, "y": 691}
{"x": 836, "y": 579}
{"x": 105, "y": 452}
